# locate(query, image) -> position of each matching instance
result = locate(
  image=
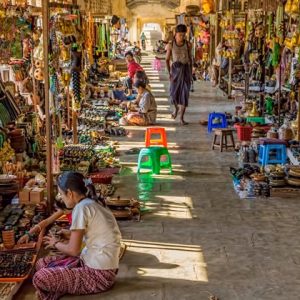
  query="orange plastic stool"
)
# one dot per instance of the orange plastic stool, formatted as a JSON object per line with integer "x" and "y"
{"x": 155, "y": 142}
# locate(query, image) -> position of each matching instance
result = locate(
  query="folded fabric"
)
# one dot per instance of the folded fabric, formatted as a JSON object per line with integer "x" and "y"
{"x": 130, "y": 98}
{"x": 119, "y": 95}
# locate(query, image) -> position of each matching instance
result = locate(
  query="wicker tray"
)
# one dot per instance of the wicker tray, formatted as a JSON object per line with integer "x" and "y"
{"x": 294, "y": 172}
{"x": 293, "y": 181}
{"x": 37, "y": 248}
{"x": 118, "y": 202}
{"x": 20, "y": 279}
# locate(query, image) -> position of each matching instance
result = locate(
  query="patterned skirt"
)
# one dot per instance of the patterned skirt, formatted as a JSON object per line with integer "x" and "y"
{"x": 180, "y": 84}
{"x": 136, "y": 119}
{"x": 59, "y": 275}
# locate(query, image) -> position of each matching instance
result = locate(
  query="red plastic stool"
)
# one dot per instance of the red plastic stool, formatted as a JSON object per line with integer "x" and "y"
{"x": 154, "y": 142}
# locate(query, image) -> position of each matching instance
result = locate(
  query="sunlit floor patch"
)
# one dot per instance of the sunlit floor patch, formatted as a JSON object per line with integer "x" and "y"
{"x": 170, "y": 261}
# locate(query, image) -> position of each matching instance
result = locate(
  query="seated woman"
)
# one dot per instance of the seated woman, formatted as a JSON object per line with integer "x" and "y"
{"x": 143, "y": 110}
{"x": 92, "y": 270}
{"x": 61, "y": 210}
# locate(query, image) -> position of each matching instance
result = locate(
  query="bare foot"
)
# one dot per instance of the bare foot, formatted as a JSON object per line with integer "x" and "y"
{"x": 182, "y": 122}
{"x": 174, "y": 115}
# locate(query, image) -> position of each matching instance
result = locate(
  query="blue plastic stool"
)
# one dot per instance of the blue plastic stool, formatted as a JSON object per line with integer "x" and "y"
{"x": 265, "y": 151}
{"x": 148, "y": 160}
{"x": 212, "y": 117}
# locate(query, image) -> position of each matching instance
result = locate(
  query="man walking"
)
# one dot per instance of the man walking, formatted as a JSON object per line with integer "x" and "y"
{"x": 179, "y": 66}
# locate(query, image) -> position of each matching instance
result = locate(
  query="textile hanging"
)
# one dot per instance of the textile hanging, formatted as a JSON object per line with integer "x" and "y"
{"x": 100, "y": 48}
{"x": 108, "y": 38}
{"x": 103, "y": 37}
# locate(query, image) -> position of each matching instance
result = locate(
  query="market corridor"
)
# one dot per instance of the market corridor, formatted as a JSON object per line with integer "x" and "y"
{"x": 196, "y": 238}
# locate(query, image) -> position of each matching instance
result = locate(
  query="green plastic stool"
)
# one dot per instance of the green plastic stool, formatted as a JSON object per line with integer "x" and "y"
{"x": 151, "y": 162}
{"x": 162, "y": 151}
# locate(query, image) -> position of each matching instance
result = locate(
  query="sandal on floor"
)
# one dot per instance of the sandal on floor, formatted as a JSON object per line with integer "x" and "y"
{"x": 133, "y": 151}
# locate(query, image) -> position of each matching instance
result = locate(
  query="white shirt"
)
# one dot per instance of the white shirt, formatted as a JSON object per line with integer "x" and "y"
{"x": 147, "y": 106}
{"x": 102, "y": 235}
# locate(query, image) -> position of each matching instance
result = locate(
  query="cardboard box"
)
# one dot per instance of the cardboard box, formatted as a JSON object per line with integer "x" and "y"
{"x": 36, "y": 195}
{"x": 24, "y": 195}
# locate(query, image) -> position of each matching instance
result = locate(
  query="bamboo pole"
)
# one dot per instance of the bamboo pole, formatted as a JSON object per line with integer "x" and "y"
{"x": 45, "y": 15}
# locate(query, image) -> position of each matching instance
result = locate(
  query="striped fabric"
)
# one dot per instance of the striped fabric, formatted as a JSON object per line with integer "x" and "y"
{"x": 52, "y": 280}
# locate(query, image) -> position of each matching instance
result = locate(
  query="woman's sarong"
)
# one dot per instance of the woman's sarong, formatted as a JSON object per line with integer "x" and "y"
{"x": 180, "y": 84}
{"x": 57, "y": 276}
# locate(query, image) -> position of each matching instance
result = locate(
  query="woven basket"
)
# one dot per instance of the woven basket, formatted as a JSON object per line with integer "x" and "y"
{"x": 101, "y": 178}
{"x": 118, "y": 202}
{"x": 122, "y": 214}
{"x": 8, "y": 237}
{"x": 294, "y": 172}
{"x": 293, "y": 181}
{"x": 286, "y": 134}
{"x": 272, "y": 135}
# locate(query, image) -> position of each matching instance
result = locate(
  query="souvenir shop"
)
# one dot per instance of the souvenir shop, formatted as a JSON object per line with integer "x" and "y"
{"x": 73, "y": 130}
{"x": 259, "y": 71}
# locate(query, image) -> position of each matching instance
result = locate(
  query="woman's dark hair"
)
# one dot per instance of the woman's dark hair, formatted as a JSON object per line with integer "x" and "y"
{"x": 141, "y": 75}
{"x": 140, "y": 83}
{"x": 73, "y": 181}
{"x": 60, "y": 204}
{"x": 92, "y": 194}
{"x": 181, "y": 28}
{"x": 115, "y": 19}
{"x": 129, "y": 53}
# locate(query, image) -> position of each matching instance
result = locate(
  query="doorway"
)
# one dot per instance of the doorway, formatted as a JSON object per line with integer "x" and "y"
{"x": 153, "y": 33}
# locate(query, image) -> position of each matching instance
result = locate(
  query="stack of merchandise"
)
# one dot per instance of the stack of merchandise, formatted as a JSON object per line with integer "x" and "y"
{"x": 293, "y": 176}
{"x": 124, "y": 209}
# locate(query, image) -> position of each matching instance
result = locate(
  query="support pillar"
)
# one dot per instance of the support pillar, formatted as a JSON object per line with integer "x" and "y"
{"x": 45, "y": 11}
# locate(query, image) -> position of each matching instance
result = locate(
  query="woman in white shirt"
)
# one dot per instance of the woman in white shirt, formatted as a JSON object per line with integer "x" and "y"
{"x": 92, "y": 270}
{"x": 143, "y": 110}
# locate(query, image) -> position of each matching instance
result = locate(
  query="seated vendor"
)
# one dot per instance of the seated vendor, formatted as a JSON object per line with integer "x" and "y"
{"x": 80, "y": 271}
{"x": 142, "y": 111}
{"x": 132, "y": 67}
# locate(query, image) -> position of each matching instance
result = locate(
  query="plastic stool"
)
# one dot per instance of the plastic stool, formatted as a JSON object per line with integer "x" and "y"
{"x": 159, "y": 152}
{"x": 150, "y": 163}
{"x": 265, "y": 151}
{"x": 212, "y": 117}
{"x": 154, "y": 142}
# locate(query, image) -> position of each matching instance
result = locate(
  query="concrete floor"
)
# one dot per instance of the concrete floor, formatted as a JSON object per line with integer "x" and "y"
{"x": 198, "y": 238}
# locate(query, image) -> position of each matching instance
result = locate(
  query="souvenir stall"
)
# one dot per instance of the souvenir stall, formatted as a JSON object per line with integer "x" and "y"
{"x": 231, "y": 47}
{"x": 22, "y": 145}
{"x": 202, "y": 49}
{"x": 265, "y": 85}
{"x": 55, "y": 114}
{"x": 21, "y": 134}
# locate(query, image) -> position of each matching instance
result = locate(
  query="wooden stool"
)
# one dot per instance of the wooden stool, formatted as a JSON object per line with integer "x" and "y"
{"x": 223, "y": 134}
